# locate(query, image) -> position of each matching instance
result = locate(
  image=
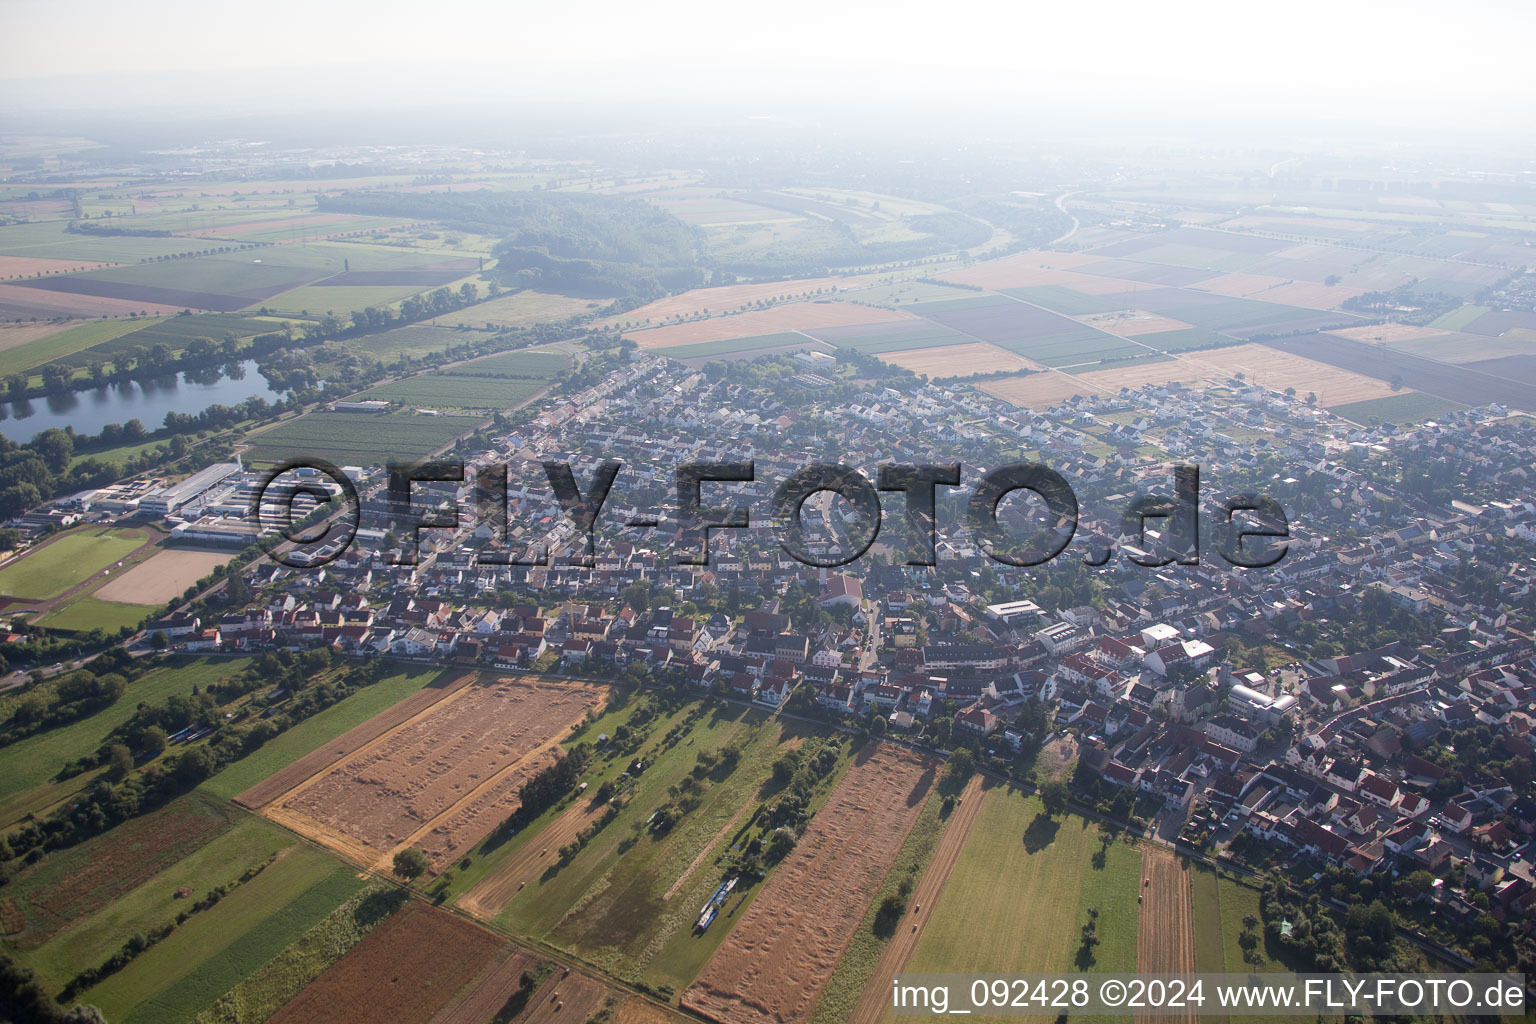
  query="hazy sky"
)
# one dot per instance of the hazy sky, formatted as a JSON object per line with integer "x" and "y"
{"x": 1340, "y": 59}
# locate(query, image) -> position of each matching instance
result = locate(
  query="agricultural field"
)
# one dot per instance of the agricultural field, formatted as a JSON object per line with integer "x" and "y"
{"x": 823, "y": 887}
{"x": 528, "y": 364}
{"x": 402, "y": 972}
{"x": 52, "y": 895}
{"x": 745, "y": 348}
{"x": 1463, "y": 384}
{"x": 444, "y": 779}
{"x": 636, "y": 910}
{"x": 88, "y": 938}
{"x": 520, "y": 309}
{"x": 174, "y": 331}
{"x": 810, "y": 317}
{"x": 413, "y": 341}
{"x": 877, "y": 339}
{"x": 183, "y": 974}
{"x": 67, "y": 561}
{"x": 20, "y": 352}
{"x": 457, "y": 391}
{"x": 1020, "y": 868}
{"x": 929, "y": 855}
{"x": 262, "y": 776}
{"x": 729, "y": 298}
{"x": 1408, "y": 407}
{"x": 265, "y": 991}
{"x": 958, "y": 360}
{"x": 364, "y": 439}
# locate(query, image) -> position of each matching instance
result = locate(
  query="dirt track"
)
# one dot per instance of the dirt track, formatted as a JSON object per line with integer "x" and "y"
{"x": 876, "y": 996}
{"x": 1165, "y": 937}
{"x": 776, "y": 961}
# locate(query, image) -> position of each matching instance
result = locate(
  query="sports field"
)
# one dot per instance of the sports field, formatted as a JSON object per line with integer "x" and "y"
{"x": 70, "y": 559}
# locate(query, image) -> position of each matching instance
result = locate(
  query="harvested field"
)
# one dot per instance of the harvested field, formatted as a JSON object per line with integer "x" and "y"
{"x": 877, "y": 993}
{"x": 162, "y": 576}
{"x": 29, "y": 266}
{"x": 1458, "y": 383}
{"x": 15, "y": 335}
{"x": 1274, "y": 368}
{"x": 1036, "y": 390}
{"x": 19, "y": 300}
{"x": 349, "y": 742}
{"x": 1165, "y": 938}
{"x": 734, "y": 296}
{"x": 1308, "y": 294}
{"x": 486, "y": 996}
{"x": 776, "y": 961}
{"x": 495, "y": 891}
{"x": 401, "y": 973}
{"x": 1389, "y": 333}
{"x": 795, "y": 316}
{"x": 443, "y": 780}
{"x": 575, "y": 997}
{"x": 958, "y": 360}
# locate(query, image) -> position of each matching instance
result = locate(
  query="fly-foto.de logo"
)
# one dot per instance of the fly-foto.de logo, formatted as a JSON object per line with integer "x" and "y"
{"x": 1248, "y": 531}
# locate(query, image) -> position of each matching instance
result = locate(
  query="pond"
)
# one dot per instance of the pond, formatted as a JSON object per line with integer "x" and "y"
{"x": 144, "y": 400}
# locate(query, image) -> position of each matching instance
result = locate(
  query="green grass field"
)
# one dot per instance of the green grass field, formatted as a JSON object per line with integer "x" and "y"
{"x": 210, "y": 954}
{"x": 409, "y": 341}
{"x": 27, "y": 765}
{"x": 263, "y": 992}
{"x": 92, "y": 939}
{"x": 49, "y": 240}
{"x": 531, "y": 365}
{"x": 1458, "y": 318}
{"x": 606, "y": 905}
{"x": 86, "y": 613}
{"x": 358, "y": 438}
{"x": 293, "y": 743}
{"x": 66, "y": 344}
{"x": 521, "y": 309}
{"x": 1026, "y": 884}
{"x": 46, "y": 572}
{"x": 1412, "y": 407}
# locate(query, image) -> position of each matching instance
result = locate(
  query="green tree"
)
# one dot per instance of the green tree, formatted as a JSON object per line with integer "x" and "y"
{"x": 410, "y": 863}
{"x": 1055, "y": 795}
{"x": 119, "y": 762}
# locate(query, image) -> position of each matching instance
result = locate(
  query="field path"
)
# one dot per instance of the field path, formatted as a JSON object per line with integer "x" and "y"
{"x": 875, "y": 998}
{"x": 1165, "y": 937}
{"x": 493, "y": 892}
